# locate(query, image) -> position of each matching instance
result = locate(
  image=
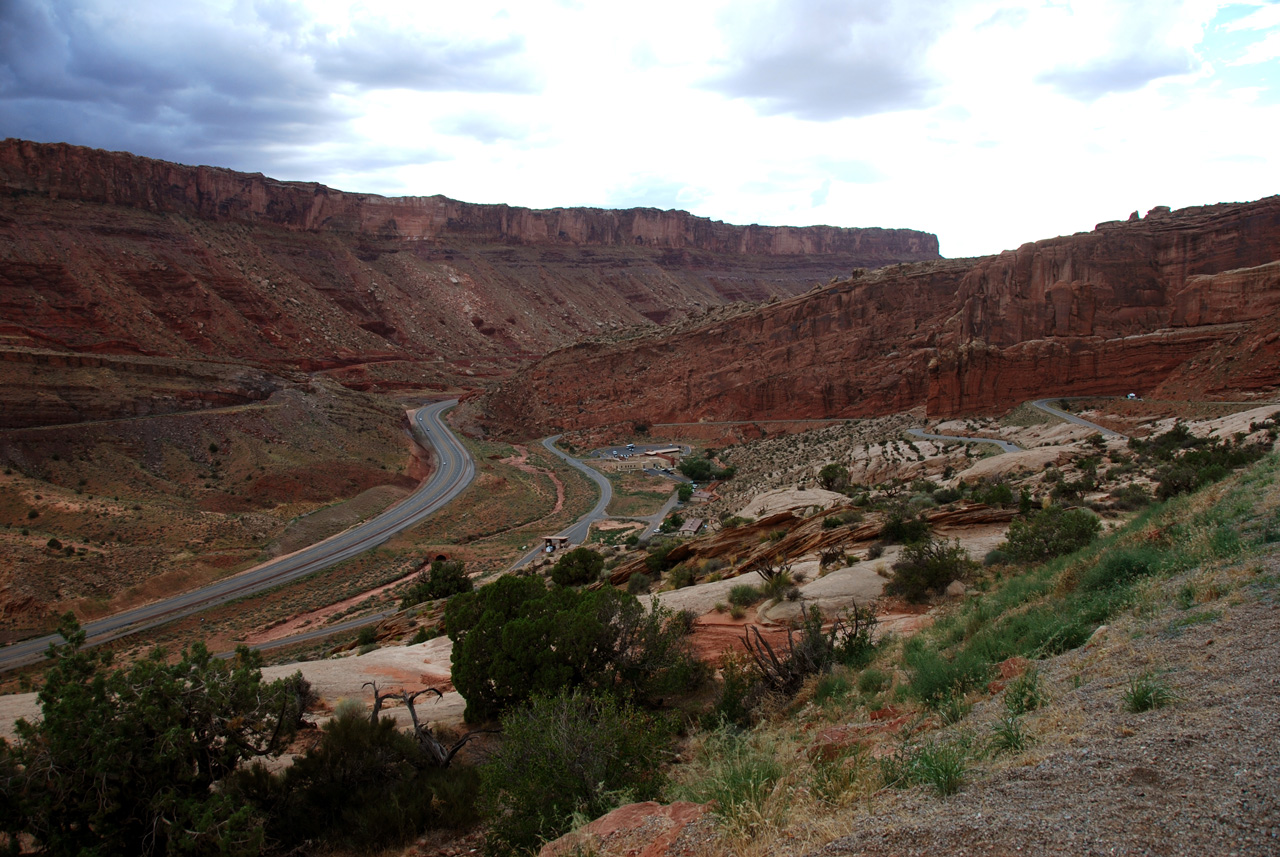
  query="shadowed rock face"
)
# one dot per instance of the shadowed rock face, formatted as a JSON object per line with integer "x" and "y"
{"x": 1125, "y": 308}
{"x": 115, "y": 254}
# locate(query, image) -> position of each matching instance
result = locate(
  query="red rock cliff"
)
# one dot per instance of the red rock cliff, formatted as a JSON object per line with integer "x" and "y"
{"x": 1121, "y": 309}
{"x": 111, "y": 253}
{"x": 117, "y": 178}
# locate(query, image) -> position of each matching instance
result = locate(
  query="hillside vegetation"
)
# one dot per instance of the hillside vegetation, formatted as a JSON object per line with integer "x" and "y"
{"x": 1071, "y": 681}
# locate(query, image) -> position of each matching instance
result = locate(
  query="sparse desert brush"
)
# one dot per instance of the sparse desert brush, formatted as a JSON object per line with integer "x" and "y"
{"x": 1147, "y": 692}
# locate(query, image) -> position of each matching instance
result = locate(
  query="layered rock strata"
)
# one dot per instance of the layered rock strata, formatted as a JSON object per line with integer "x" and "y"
{"x": 1125, "y": 308}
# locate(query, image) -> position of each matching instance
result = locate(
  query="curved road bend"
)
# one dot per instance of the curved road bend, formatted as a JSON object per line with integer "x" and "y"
{"x": 1004, "y": 445}
{"x": 1043, "y": 404}
{"x": 576, "y": 532}
{"x": 454, "y": 472}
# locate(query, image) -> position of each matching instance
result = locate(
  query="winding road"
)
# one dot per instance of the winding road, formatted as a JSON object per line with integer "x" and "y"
{"x": 1003, "y": 444}
{"x": 1043, "y": 404}
{"x": 576, "y": 532}
{"x": 454, "y": 471}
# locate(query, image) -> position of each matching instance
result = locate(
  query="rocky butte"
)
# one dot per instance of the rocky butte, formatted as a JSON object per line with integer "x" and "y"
{"x": 1183, "y": 303}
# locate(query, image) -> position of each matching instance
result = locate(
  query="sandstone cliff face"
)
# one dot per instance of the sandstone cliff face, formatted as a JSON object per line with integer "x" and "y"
{"x": 110, "y": 253}
{"x": 1117, "y": 310}
{"x": 61, "y": 171}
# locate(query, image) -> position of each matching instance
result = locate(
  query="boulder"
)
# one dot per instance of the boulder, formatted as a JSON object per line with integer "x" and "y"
{"x": 647, "y": 829}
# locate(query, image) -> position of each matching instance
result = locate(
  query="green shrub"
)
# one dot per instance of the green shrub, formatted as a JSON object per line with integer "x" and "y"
{"x": 702, "y": 470}
{"x": 947, "y": 495}
{"x": 441, "y": 579}
{"x": 928, "y": 566}
{"x": 1024, "y": 693}
{"x": 834, "y": 477}
{"x": 993, "y": 494}
{"x": 573, "y": 752}
{"x": 744, "y": 595}
{"x": 995, "y": 557}
{"x": 515, "y": 638}
{"x": 942, "y": 766}
{"x": 1148, "y": 692}
{"x": 681, "y": 576}
{"x": 874, "y": 681}
{"x": 368, "y": 636}
{"x": 1008, "y": 735}
{"x": 684, "y": 491}
{"x": 903, "y": 527}
{"x": 1130, "y": 497}
{"x": 656, "y": 562}
{"x": 776, "y": 585}
{"x": 1050, "y": 532}
{"x": 1121, "y": 567}
{"x": 742, "y": 770}
{"x": 131, "y": 760}
{"x": 935, "y": 678}
{"x": 578, "y": 567}
{"x": 365, "y": 786}
{"x": 639, "y": 582}
{"x": 834, "y": 686}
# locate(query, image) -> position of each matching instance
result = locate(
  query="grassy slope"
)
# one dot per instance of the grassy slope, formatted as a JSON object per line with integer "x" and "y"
{"x": 824, "y": 767}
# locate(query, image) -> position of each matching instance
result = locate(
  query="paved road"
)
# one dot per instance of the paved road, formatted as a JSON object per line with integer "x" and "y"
{"x": 577, "y": 533}
{"x": 1043, "y": 404}
{"x": 1003, "y": 444}
{"x": 455, "y": 470}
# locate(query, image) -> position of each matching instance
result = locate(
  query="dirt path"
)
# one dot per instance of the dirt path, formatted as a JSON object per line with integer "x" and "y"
{"x": 520, "y": 462}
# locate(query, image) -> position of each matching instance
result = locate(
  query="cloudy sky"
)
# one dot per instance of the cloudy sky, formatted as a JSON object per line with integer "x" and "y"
{"x": 988, "y": 123}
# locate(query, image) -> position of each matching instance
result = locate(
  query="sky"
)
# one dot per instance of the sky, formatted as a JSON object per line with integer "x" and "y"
{"x": 989, "y": 124}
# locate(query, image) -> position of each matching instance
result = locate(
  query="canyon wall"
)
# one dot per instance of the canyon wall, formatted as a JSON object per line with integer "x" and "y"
{"x": 110, "y": 253}
{"x": 1125, "y": 308}
{"x": 60, "y": 171}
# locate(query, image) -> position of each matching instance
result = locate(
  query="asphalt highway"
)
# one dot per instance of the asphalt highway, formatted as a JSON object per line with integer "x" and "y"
{"x": 1004, "y": 445}
{"x": 454, "y": 471}
{"x": 577, "y": 532}
{"x": 1043, "y": 404}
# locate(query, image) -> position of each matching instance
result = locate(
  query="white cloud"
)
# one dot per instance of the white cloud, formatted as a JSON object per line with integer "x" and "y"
{"x": 990, "y": 122}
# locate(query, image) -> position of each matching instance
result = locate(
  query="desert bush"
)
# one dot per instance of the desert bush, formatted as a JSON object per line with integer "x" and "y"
{"x": 995, "y": 557}
{"x": 638, "y": 583}
{"x": 1024, "y": 693}
{"x": 1121, "y": 567}
{"x": 681, "y": 576}
{"x": 578, "y": 567}
{"x": 572, "y": 752}
{"x": 440, "y": 580}
{"x": 656, "y": 562}
{"x": 1130, "y": 497}
{"x": 947, "y": 495}
{"x": 935, "y": 678}
{"x": 874, "y": 681}
{"x": 940, "y": 765}
{"x": 902, "y": 526}
{"x": 834, "y": 477}
{"x": 813, "y": 651}
{"x": 741, "y": 773}
{"x": 365, "y": 786}
{"x": 131, "y": 760}
{"x": 744, "y": 595}
{"x": 515, "y": 638}
{"x": 993, "y": 494}
{"x": 1050, "y": 532}
{"x": 1148, "y": 692}
{"x": 928, "y": 566}
{"x": 1009, "y": 736}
